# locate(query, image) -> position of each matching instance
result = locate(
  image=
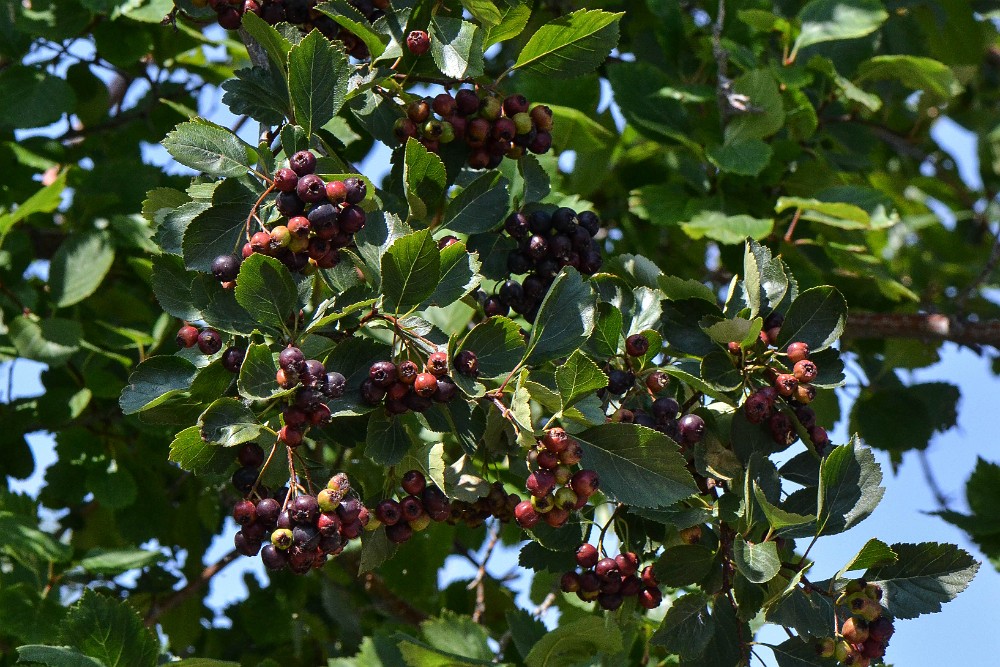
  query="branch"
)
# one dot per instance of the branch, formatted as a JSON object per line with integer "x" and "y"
{"x": 158, "y": 609}
{"x": 930, "y": 328}
{"x": 479, "y": 582}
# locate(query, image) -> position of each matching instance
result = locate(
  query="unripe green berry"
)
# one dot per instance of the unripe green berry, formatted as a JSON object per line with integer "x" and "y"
{"x": 522, "y": 122}
{"x": 281, "y": 538}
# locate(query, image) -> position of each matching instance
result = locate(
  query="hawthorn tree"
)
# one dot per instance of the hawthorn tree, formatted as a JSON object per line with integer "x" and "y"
{"x": 597, "y": 311}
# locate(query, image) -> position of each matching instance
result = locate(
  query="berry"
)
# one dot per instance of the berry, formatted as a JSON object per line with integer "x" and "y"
{"x": 250, "y": 454}
{"x": 665, "y": 409}
{"x": 757, "y": 407}
{"x": 494, "y": 307}
{"x": 302, "y": 163}
{"x": 466, "y": 101}
{"x": 805, "y": 393}
{"x": 209, "y": 341}
{"x": 418, "y": 42}
{"x": 187, "y": 336}
{"x": 382, "y": 373}
{"x": 467, "y": 363}
{"x": 628, "y": 563}
{"x": 282, "y": 538}
{"x": 556, "y": 517}
{"x": 399, "y": 532}
{"x": 388, "y": 512}
{"x": 244, "y": 512}
{"x": 425, "y": 384}
{"x": 336, "y": 383}
{"x": 556, "y": 440}
{"x": 411, "y": 508}
{"x": 797, "y": 352}
{"x": 225, "y": 268}
{"x": 311, "y": 189}
{"x": 619, "y": 381}
{"x": 304, "y": 509}
{"x": 805, "y": 371}
{"x": 650, "y": 598}
{"x": 585, "y": 483}
{"x": 570, "y": 582}
{"x": 525, "y": 514}
{"x": 565, "y": 499}
{"x": 352, "y": 219}
{"x": 414, "y": 482}
{"x": 606, "y": 568}
{"x": 691, "y": 428}
{"x": 547, "y": 460}
{"x": 586, "y": 555}
{"x": 540, "y": 483}
{"x": 648, "y": 577}
{"x": 657, "y": 381}
{"x": 786, "y": 384}
{"x": 542, "y": 115}
{"x": 437, "y": 364}
{"x": 854, "y": 630}
{"x": 444, "y": 105}
{"x": 336, "y": 191}
{"x": 636, "y": 345}
{"x": 356, "y": 188}
{"x": 572, "y": 455}
{"x": 285, "y": 180}
{"x": 232, "y": 359}
{"x": 292, "y": 359}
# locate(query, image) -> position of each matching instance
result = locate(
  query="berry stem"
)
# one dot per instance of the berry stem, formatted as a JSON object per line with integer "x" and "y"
{"x": 253, "y": 213}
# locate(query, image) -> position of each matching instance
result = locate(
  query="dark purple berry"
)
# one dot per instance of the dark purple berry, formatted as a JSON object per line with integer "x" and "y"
{"x": 209, "y": 341}
{"x": 302, "y": 163}
{"x": 225, "y": 268}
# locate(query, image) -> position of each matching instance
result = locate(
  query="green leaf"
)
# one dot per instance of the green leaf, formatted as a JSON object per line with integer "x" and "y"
{"x": 411, "y": 269}
{"x": 458, "y": 635}
{"x": 51, "y": 341}
{"x": 227, "y": 422}
{"x": 210, "y": 148}
{"x": 457, "y": 47}
{"x": 221, "y": 228}
{"x": 33, "y": 97}
{"x": 459, "y": 275}
{"x": 768, "y": 116}
{"x": 570, "y": 45}
{"x": 571, "y": 643}
{"x": 273, "y": 42}
{"x": 116, "y": 561}
{"x": 266, "y": 290}
{"x": 79, "y": 266}
{"x": 318, "y": 73}
{"x": 728, "y": 229}
{"x": 257, "y": 374}
{"x": 20, "y": 538}
{"x": 687, "y": 626}
{"x": 816, "y": 317}
{"x": 778, "y": 518}
{"x": 637, "y": 465}
{"x": 923, "y": 577}
{"x": 684, "y": 565}
{"x": 480, "y": 207}
{"x": 764, "y": 280}
{"x": 577, "y": 378}
{"x": 901, "y": 418}
{"x": 565, "y": 319}
{"x": 831, "y": 20}
{"x": 172, "y": 285}
{"x": 387, "y": 440}
{"x": 55, "y": 656}
{"x": 193, "y": 454}
{"x": 111, "y": 631}
{"x": 931, "y": 76}
{"x": 154, "y": 381}
{"x": 757, "y": 562}
{"x": 874, "y": 553}
{"x": 746, "y": 158}
{"x": 808, "y": 614}
{"x": 258, "y": 92}
{"x": 849, "y": 490}
{"x": 498, "y": 345}
{"x": 44, "y": 200}
{"x": 835, "y": 214}
{"x": 607, "y": 336}
{"x": 424, "y": 180}
{"x": 347, "y": 16}
{"x": 512, "y": 24}
{"x": 483, "y": 11}
{"x": 796, "y": 652}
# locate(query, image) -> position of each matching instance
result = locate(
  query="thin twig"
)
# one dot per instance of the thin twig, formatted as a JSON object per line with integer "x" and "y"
{"x": 479, "y": 583}
{"x": 939, "y": 496}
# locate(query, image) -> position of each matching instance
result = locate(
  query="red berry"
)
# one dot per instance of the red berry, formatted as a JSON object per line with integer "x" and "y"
{"x": 797, "y": 352}
{"x": 805, "y": 371}
{"x": 586, "y": 555}
{"x": 425, "y": 384}
{"x": 585, "y": 483}
{"x": 244, "y": 512}
{"x": 285, "y": 180}
{"x": 414, "y": 482}
{"x": 187, "y": 336}
{"x": 636, "y": 345}
{"x": 650, "y": 598}
{"x": 540, "y": 483}
{"x": 209, "y": 341}
{"x": 437, "y": 364}
{"x": 657, "y": 381}
{"x": 570, "y": 582}
{"x": 445, "y": 105}
{"x": 526, "y": 515}
{"x": 628, "y": 563}
{"x": 302, "y": 163}
{"x": 290, "y": 435}
{"x": 556, "y": 440}
{"x": 418, "y": 42}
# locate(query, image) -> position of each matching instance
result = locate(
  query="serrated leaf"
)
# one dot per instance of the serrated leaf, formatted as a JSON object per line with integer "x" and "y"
{"x": 318, "y": 74}
{"x": 934, "y": 78}
{"x": 757, "y": 562}
{"x": 424, "y": 180}
{"x": 55, "y": 656}
{"x": 687, "y": 627}
{"x": 111, "y": 631}
{"x": 835, "y": 214}
{"x": 577, "y": 378}
{"x": 79, "y": 266}
{"x": 266, "y": 290}
{"x": 210, "y": 148}
{"x": 116, "y": 561}
{"x": 458, "y": 635}
{"x": 873, "y": 554}
{"x": 273, "y": 42}
{"x": 257, "y": 374}
{"x": 816, "y": 317}
{"x": 570, "y": 45}
{"x": 684, "y": 564}
{"x": 747, "y": 157}
{"x": 483, "y": 11}
{"x": 512, "y": 24}
{"x": 606, "y": 339}
{"x": 387, "y": 440}
{"x": 411, "y": 269}
{"x": 498, "y": 345}
{"x": 258, "y": 92}
{"x": 228, "y": 423}
{"x": 348, "y": 17}
{"x": 172, "y": 287}
{"x": 924, "y": 576}
{"x": 572, "y": 642}
{"x": 637, "y": 466}
{"x": 375, "y": 550}
{"x": 831, "y": 20}
{"x": 154, "y": 381}
{"x": 52, "y": 340}
{"x": 778, "y": 518}
{"x": 728, "y": 229}
{"x": 480, "y": 207}
{"x": 849, "y": 488}
{"x": 21, "y": 539}
{"x": 565, "y": 319}
{"x": 796, "y": 652}
{"x": 221, "y": 228}
{"x": 456, "y": 47}
{"x": 45, "y": 200}
{"x": 459, "y": 275}
{"x": 193, "y": 454}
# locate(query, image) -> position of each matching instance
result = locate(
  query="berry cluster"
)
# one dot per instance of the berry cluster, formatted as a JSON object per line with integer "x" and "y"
{"x": 404, "y": 387}
{"x": 663, "y": 417}
{"x": 321, "y": 218}
{"x": 491, "y": 128}
{"x": 610, "y": 580}
{"x": 414, "y": 511}
{"x": 795, "y": 389}
{"x": 497, "y": 503}
{"x": 546, "y": 242}
{"x": 208, "y": 340}
{"x": 555, "y": 489}
{"x": 314, "y": 384}
{"x": 865, "y": 634}
{"x": 298, "y": 12}
{"x": 305, "y": 531}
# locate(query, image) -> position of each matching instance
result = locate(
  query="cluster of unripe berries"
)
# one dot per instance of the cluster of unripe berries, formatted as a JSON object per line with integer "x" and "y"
{"x": 314, "y": 386}
{"x": 404, "y": 387}
{"x": 554, "y": 488}
{"x": 608, "y": 581}
{"x": 301, "y": 535}
{"x": 546, "y": 242}
{"x": 795, "y": 390}
{"x": 321, "y": 218}
{"x": 864, "y": 635}
{"x": 491, "y": 128}
{"x": 301, "y": 13}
